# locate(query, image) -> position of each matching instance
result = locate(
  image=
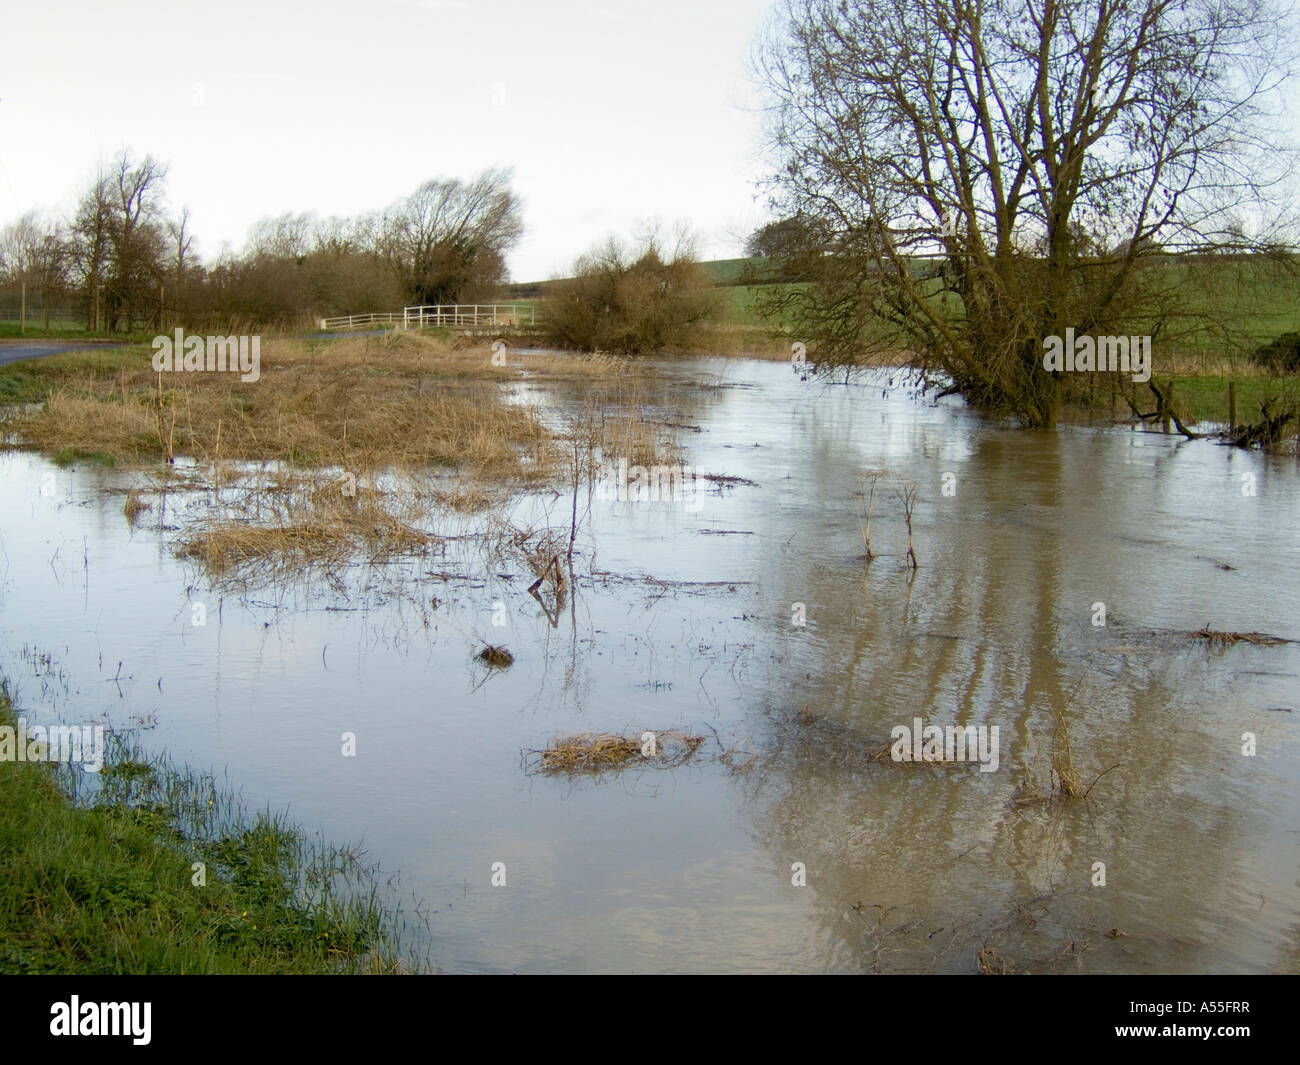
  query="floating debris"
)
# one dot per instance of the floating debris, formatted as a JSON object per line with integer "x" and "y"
{"x": 1228, "y": 639}
{"x": 724, "y": 480}
{"x": 495, "y": 656}
{"x": 596, "y": 753}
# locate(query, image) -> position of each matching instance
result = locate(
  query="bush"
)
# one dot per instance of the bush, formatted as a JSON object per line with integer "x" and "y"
{"x": 630, "y": 302}
{"x": 1281, "y": 354}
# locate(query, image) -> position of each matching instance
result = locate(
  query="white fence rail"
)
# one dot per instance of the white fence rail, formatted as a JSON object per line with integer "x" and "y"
{"x": 36, "y": 315}
{"x": 454, "y": 314}
{"x": 441, "y": 314}
{"x": 362, "y": 321}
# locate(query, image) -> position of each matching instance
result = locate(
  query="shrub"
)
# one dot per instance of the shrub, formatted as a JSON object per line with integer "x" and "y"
{"x": 630, "y": 301}
{"x": 1281, "y": 354}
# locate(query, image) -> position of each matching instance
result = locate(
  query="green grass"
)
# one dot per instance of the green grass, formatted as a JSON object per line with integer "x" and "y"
{"x": 97, "y": 877}
{"x": 31, "y": 380}
{"x": 1205, "y": 398}
{"x": 730, "y": 271}
{"x": 70, "y": 456}
{"x": 67, "y": 331}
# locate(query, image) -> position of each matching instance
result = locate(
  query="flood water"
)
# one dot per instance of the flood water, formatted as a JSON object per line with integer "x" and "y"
{"x": 685, "y": 618}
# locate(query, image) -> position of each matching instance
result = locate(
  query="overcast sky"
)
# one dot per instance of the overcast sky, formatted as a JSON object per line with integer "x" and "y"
{"x": 611, "y": 112}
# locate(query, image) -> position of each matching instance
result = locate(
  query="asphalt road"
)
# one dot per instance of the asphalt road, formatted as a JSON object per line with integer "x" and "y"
{"x": 38, "y": 349}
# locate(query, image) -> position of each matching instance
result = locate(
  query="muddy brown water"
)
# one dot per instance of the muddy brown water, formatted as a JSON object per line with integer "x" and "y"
{"x": 685, "y": 618}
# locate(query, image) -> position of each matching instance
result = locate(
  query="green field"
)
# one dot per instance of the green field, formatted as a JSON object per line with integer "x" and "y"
{"x": 1246, "y": 304}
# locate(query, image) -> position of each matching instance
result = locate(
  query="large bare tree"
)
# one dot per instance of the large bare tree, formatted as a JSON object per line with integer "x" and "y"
{"x": 992, "y": 172}
{"x": 448, "y": 239}
{"x": 34, "y": 253}
{"x": 119, "y": 244}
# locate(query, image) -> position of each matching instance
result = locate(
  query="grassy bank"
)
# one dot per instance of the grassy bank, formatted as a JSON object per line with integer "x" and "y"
{"x": 98, "y": 876}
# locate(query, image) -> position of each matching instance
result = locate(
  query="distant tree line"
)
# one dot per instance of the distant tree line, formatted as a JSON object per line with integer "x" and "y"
{"x": 125, "y": 260}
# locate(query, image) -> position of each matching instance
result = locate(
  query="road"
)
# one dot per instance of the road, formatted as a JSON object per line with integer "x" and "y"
{"x": 17, "y": 351}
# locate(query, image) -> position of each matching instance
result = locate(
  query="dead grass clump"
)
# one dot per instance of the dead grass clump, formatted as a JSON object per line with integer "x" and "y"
{"x": 1230, "y": 639}
{"x": 231, "y": 546}
{"x": 467, "y": 498}
{"x": 71, "y": 418}
{"x": 595, "y": 754}
{"x": 360, "y": 403}
{"x": 992, "y": 963}
{"x": 1064, "y": 780}
{"x": 289, "y": 524}
{"x": 1068, "y": 782}
{"x": 497, "y": 657}
{"x": 134, "y": 506}
{"x": 640, "y": 441}
{"x": 739, "y": 759}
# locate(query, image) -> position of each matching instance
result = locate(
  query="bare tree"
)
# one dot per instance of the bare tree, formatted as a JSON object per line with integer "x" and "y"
{"x": 991, "y": 172}
{"x": 136, "y": 235}
{"x": 906, "y": 495}
{"x": 450, "y": 237}
{"x": 90, "y": 246}
{"x": 286, "y": 236}
{"x": 34, "y": 253}
{"x": 870, "y": 480}
{"x": 183, "y": 260}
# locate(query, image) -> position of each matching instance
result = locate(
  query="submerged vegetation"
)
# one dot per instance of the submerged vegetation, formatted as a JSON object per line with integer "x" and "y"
{"x": 360, "y": 447}
{"x": 599, "y": 753}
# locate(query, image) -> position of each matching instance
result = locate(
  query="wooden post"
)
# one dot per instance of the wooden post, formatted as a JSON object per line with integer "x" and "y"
{"x": 1232, "y": 405}
{"x": 22, "y": 311}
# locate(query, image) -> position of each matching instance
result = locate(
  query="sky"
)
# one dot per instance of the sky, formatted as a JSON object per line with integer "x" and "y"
{"x": 611, "y": 113}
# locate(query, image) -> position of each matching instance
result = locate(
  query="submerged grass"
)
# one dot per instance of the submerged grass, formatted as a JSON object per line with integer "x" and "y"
{"x": 442, "y": 426}
{"x": 599, "y": 753}
{"x": 274, "y": 526}
{"x": 1064, "y": 780}
{"x": 98, "y": 875}
{"x": 1230, "y": 639}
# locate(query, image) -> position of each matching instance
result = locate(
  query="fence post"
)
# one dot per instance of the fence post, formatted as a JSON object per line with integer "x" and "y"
{"x": 1232, "y": 405}
{"x": 22, "y": 312}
